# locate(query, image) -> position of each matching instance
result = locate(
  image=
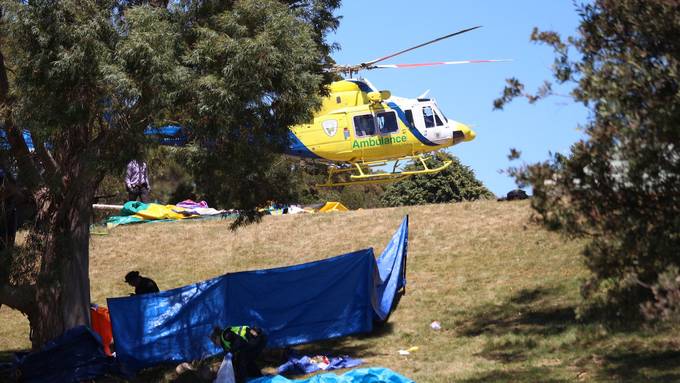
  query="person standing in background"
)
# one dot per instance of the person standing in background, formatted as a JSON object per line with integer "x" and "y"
{"x": 137, "y": 181}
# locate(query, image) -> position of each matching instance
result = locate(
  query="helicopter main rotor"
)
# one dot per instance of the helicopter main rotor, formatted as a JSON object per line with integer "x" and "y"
{"x": 350, "y": 69}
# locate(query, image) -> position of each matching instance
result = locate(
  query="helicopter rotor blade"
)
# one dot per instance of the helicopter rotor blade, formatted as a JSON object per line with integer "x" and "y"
{"x": 400, "y": 66}
{"x": 370, "y": 63}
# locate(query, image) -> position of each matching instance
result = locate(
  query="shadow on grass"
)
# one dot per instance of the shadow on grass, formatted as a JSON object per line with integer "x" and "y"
{"x": 529, "y": 329}
{"x": 642, "y": 366}
{"x": 348, "y": 345}
{"x": 532, "y": 375}
{"x": 529, "y": 312}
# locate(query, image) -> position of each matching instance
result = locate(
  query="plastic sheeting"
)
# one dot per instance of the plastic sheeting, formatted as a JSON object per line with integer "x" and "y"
{"x": 332, "y": 206}
{"x": 392, "y": 272}
{"x": 101, "y": 324}
{"x": 297, "y": 304}
{"x": 306, "y": 365}
{"x": 139, "y": 212}
{"x": 360, "y": 375}
{"x": 75, "y": 356}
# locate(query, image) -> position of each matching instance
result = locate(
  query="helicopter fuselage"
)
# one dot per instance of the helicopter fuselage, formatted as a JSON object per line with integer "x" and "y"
{"x": 358, "y": 123}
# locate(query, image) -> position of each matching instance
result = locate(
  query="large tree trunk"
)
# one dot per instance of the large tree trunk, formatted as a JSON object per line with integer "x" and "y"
{"x": 62, "y": 289}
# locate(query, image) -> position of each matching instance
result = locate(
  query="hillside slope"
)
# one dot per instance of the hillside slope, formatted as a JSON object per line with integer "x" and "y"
{"x": 503, "y": 289}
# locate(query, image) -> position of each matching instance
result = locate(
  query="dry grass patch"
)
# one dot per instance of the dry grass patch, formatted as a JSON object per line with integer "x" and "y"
{"x": 503, "y": 289}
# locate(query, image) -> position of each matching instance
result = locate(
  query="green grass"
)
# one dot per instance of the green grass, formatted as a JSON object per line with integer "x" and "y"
{"x": 503, "y": 289}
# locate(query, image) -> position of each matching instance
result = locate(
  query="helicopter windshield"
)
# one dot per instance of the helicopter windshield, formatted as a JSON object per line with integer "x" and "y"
{"x": 431, "y": 118}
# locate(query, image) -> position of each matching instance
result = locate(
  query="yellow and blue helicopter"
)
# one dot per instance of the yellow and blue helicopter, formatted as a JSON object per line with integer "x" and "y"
{"x": 360, "y": 128}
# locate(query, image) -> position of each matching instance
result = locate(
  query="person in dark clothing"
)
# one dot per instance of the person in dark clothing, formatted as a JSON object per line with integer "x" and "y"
{"x": 142, "y": 285}
{"x": 245, "y": 343}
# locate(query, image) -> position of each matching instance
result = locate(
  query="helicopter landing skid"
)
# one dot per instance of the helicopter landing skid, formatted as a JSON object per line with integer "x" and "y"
{"x": 363, "y": 176}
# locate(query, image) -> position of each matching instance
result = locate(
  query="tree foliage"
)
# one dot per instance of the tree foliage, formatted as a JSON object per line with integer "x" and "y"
{"x": 454, "y": 184}
{"x": 619, "y": 187}
{"x": 87, "y": 77}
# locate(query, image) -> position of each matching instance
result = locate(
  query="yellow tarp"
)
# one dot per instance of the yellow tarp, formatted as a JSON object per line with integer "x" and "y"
{"x": 156, "y": 211}
{"x": 332, "y": 206}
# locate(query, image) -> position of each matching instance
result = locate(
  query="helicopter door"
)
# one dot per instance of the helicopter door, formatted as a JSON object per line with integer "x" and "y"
{"x": 388, "y": 128}
{"x": 434, "y": 128}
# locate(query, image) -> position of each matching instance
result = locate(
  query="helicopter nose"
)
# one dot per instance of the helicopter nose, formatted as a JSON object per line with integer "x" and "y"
{"x": 464, "y": 130}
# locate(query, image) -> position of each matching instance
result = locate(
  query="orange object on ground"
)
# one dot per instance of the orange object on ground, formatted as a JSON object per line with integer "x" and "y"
{"x": 101, "y": 324}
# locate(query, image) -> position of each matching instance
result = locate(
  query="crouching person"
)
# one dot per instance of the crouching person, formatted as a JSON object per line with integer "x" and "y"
{"x": 245, "y": 344}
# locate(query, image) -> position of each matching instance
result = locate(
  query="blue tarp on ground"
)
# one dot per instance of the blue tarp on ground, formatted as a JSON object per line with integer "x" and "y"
{"x": 361, "y": 375}
{"x": 75, "y": 356}
{"x": 297, "y": 304}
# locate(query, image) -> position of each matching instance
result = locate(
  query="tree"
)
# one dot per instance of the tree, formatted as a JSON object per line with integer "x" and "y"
{"x": 619, "y": 187}
{"x": 86, "y": 77}
{"x": 454, "y": 184}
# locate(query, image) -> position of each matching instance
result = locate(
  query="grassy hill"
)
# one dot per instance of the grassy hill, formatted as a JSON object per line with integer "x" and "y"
{"x": 503, "y": 289}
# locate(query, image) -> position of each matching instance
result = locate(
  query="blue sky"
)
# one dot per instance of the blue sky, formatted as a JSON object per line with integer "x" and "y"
{"x": 371, "y": 29}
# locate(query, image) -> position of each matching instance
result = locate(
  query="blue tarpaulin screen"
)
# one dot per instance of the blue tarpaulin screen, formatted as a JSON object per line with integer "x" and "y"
{"x": 297, "y": 304}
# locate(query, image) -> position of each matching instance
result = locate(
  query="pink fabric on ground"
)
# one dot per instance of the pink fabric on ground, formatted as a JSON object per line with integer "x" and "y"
{"x": 189, "y": 204}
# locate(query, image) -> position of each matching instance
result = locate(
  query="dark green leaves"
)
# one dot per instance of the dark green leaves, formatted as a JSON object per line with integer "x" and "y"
{"x": 454, "y": 184}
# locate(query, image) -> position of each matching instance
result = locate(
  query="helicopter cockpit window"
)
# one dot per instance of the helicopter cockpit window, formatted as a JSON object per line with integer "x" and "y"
{"x": 431, "y": 118}
{"x": 437, "y": 119}
{"x": 387, "y": 122}
{"x": 364, "y": 125}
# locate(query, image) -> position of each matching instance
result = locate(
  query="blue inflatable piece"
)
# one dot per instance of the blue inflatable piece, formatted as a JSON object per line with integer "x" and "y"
{"x": 75, "y": 356}
{"x": 297, "y": 304}
{"x": 171, "y": 135}
{"x": 167, "y": 130}
{"x": 360, "y": 375}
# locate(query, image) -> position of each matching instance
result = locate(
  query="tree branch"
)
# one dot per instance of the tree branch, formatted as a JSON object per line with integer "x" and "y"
{"x": 48, "y": 162}
{"x": 20, "y": 298}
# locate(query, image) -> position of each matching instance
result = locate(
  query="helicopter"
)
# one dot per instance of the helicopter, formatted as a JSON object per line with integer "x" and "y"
{"x": 359, "y": 129}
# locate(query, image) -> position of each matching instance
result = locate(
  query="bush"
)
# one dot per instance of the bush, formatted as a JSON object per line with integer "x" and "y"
{"x": 454, "y": 184}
